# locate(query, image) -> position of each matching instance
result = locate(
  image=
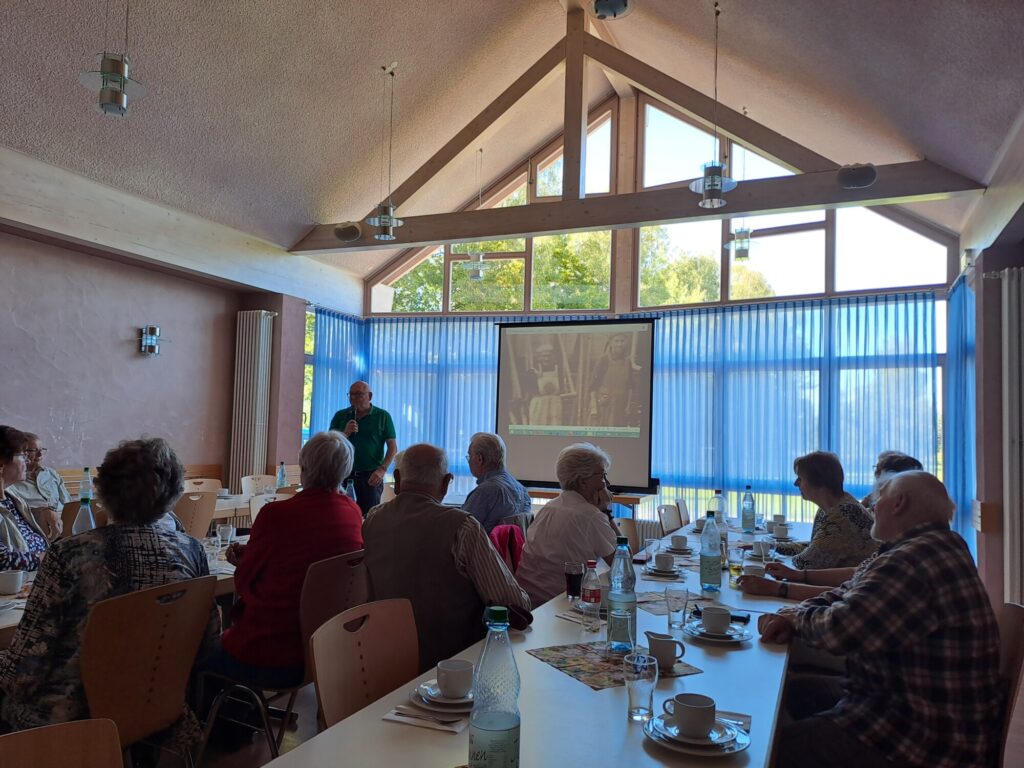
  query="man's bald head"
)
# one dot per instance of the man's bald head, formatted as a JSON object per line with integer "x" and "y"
{"x": 424, "y": 469}
{"x": 909, "y": 499}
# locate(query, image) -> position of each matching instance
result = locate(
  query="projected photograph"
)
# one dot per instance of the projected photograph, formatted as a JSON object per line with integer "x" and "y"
{"x": 578, "y": 384}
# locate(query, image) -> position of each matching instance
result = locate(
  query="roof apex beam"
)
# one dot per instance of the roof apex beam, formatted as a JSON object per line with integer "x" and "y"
{"x": 915, "y": 181}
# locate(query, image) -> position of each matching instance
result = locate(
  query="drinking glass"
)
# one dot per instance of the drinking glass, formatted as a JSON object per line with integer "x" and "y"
{"x": 212, "y": 547}
{"x": 641, "y": 675}
{"x": 621, "y": 632}
{"x": 226, "y": 534}
{"x": 652, "y": 547}
{"x": 735, "y": 566}
{"x": 574, "y": 580}
{"x": 676, "y": 599}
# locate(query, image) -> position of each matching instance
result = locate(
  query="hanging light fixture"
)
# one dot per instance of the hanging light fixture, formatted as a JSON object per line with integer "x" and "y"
{"x": 476, "y": 265}
{"x": 714, "y": 183}
{"x": 112, "y": 80}
{"x": 740, "y": 243}
{"x": 385, "y": 219}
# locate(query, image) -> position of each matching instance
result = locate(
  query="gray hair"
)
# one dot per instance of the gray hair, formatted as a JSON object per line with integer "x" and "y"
{"x": 326, "y": 460}
{"x": 423, "y": 465}
{"x": 489, "y": 447}
{"x": 578, "y": 462}
{"x": 140, "y": 480}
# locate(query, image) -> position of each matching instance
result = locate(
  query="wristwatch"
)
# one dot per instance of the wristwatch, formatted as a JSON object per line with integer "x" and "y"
{"x": 784, "y": 588}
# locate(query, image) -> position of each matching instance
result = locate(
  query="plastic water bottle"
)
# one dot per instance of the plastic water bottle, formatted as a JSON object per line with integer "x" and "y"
{"x": 590, "y": 601}
{"x": 84, "y": 521}
{"x": 710, "y": 556}
{"x": 494, "y": 724}
{"x": 622, "y": 597}
{"x": 748, "y": 519}
{"x": 85, "y": 487}
{"x": 282, "y": 476}
{"x": 717, "y": 505}
{"x": 350, "y": 491}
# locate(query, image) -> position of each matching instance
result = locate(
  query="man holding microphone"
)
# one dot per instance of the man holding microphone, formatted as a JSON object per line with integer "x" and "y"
{"x": 372, "y": 434}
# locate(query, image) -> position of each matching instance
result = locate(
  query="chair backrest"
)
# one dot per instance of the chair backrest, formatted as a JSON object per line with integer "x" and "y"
{"x": 257, "y": 502}
{"x": 252, "y": 484}
{"x": 288, "y": 490}
{"x": 387, "y": 493}
{"x": 331, "y": 586}
{"x": 195, "y": 511}
{"x": 137, "y": 653}
{"x": 200, "y": 484}
{"x": 75, "y": 744}
{"x": 521, "y": 520}
{"x": 684, "y": 511}
{"x": 68, "y": 515}
{"x": 628, "y": 527}
{"x": 1011, "y": 642}
{"x": 361, "y": 654}
{"x": 668, "y": 514}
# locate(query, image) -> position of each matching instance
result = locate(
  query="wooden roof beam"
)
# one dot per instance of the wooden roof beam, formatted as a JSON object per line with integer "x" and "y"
{"x": 915, "y": 181}
{"x": 574, "y": 137}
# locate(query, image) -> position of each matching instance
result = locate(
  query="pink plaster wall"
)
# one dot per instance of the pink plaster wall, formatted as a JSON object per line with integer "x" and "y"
{"x": 71, "y": 370}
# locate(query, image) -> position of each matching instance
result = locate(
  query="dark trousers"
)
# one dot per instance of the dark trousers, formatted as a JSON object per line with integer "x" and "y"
{"x": 367, "y": 496}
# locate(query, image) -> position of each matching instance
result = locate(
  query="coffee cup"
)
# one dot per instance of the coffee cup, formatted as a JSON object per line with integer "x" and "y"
{"x": 11, "y": 582}
{"x": 781, "y": 531}
{"x": 753, "y": 569}
{"x": 665, "y": 648}
{"x": 692, "y": 713}
{"x": 698, "y": 524}
{"x": 663, "y": 561}
{"x": 769, "y": 526}
{"x": 715, "y": 619}
{"x": 680, "y": 542}
{"x": 455, "y": 678}
{"x": 778, "y": 518}
{"x": 762, "y": 549}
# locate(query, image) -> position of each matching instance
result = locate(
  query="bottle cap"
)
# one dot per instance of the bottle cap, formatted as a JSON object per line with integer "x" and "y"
{"x": 748, "y": 487}
{"x": 718, "y": 490}
{"x": 591, "y": 563}
{"x": 497, "y": 614}
{"x": 709, "y": 513}
{"x": 620, "y": 540}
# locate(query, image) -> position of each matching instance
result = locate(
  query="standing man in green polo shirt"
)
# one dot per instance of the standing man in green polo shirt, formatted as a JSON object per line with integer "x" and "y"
{"x": 370, "y": 430}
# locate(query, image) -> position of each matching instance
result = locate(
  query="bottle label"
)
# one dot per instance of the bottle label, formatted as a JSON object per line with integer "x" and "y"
{"x": 710, "y": 569}
{"x": 592, "y": 595}
{"x": 497, "y": 748}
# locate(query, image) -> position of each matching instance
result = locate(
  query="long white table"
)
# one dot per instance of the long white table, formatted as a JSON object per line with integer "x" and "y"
{"x": 564, "y": 722}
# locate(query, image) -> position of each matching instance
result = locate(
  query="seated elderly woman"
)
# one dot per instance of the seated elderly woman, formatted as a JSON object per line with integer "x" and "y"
{"x": 140, "y": 480}
{"x": 841, "y": 536}
{"x": 263, "y": 646}
{"x": 889, "y": 463}
{"x": 22, "y": 539}
{"x": 573, "y": 527}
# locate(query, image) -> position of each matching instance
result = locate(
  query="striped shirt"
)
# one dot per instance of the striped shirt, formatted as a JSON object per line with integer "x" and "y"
{"x": 477, "y": 559}
{"x": 922, "y": 652}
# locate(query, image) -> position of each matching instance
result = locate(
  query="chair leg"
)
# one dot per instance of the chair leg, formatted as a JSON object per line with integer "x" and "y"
{"x": 223, "y": 696}
{"x": 287, "y": 717}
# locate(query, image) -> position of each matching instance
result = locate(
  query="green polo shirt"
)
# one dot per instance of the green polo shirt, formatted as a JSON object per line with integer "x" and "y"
{"x": 370, "y": 442}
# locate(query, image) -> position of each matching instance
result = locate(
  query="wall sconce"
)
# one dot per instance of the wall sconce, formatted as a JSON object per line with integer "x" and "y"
{"x": 149, "y": 340}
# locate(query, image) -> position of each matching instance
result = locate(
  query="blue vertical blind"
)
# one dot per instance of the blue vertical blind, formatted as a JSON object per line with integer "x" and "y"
{"x": 339, "y": 358}
{"x": 959, "y": 448}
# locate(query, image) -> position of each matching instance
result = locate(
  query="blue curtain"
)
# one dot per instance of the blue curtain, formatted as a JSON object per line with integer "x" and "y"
{"x": 959, "y": 448}
{"x": 339, "y": 358}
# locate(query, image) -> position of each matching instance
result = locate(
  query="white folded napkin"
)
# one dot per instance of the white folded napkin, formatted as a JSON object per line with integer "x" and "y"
{"x": 575, "y": 617}
{"x": 396, "y": 716}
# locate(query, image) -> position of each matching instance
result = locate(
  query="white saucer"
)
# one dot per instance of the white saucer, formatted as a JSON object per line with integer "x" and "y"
{"x": 430, "y": 706}
{"x": 776, "y": 538}
{"x": 7, "y": 605}
{"x": 674, "y": 551}
{"x": 722, "y": 733}
{"x": 651, "y": 570}
{"x": 734, "y": 634}
{"x": 741, "y": 743}
{"x": 759, "y": 558}
{"x": 431, "y": 691}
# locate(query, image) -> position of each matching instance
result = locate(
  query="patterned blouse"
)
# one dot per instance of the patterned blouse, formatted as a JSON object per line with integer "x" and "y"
{"x": 40, "y": 682}
{"x": 13, "y": 559}
{"x": 840, "y": 538}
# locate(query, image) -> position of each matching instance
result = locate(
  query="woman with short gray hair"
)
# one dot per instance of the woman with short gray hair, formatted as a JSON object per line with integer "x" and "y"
{"x": 263, "y": 647}
{"x": 573, "y": 527}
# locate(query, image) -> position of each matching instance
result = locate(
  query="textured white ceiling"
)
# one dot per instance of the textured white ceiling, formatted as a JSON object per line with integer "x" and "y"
{"x": 265, "y": 116}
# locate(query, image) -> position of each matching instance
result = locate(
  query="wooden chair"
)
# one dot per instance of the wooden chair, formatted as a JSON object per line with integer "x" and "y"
{"x": 288, "y": 490}
{"x": 137, "y": 653}
{"x": 628, "y": 527}
{"x": 70, "y": 512}
{"x": 331, "y": 586}
{"x": 201, "y": 484}
{"x": 1011, "y": 666}
{"x": 363, "y": 654}
{"x": 195, "y": 511}
{"x": 668, "y": 514}
{"x": 258, "y": 502}
{"x": 253, "y": 484}
{"x": 684, "y": 511}
{"x": 76, "y": 744}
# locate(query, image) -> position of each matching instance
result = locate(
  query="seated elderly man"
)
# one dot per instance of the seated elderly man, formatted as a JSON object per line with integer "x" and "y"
{"x": 889, "y": 463}
{"x": 497, "y": 494}
{"x": 575, "y": 526}
{"x": 437, "y": 557}
{"x": 922, "y": 670}
{"x": 43, "y": 489}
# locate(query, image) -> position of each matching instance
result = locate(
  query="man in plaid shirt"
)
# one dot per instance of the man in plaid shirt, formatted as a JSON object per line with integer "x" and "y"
{"x": 921, "y": 644}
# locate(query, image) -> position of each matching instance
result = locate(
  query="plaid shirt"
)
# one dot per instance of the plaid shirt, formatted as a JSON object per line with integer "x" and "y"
{"x": 922, "y": 652}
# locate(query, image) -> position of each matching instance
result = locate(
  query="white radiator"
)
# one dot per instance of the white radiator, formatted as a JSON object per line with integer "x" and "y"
{"x": 1013, "y": 434}
{"x": 647, "y": 529}
{"x": 251, "y": 403}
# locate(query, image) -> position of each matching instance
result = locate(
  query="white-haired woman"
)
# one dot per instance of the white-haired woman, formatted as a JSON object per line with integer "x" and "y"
{"x": 263, "y": 646}
{"x": 571, "y": 528}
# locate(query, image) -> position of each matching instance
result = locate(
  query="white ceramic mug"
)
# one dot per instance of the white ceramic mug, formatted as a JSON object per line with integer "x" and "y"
{"x": 762, "y": 549}
{"x": 753, "y": 569}
{"x": 680, "y": 542}
{"x": 698, "y": 524}
{"x": 665, "y": 648}
{"x": 692, "y": 713}
{"x": 778, "y": 519}
{"x": 11, "y": 582}
{"x": 455, "y": 678}
{"x": 663, "y": 561}
{"x": 715, "y": 619}
{"x": 769, "y": 526}
{"x": 781, "y": 531}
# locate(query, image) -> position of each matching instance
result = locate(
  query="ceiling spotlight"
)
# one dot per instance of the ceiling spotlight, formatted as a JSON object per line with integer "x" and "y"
{"x": 611, "y": 9}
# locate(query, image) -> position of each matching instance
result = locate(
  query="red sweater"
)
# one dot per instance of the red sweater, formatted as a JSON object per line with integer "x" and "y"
{"x": 286, "y": 538}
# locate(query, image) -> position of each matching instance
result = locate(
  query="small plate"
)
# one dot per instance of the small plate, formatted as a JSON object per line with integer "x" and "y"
{"x": 430, "y": 706}
{"x": 777, "y": 538}
{"x": 8, "y": 605}
{"x": 759, "y": 558}
{"x": 431, "y": 691}
{"x": 674, "y": 551}
{"x": 722, "y": 733}
{"x": 658, "y": 572}
{"x": 741, "y": 742}
{"x": 734, "y": 634}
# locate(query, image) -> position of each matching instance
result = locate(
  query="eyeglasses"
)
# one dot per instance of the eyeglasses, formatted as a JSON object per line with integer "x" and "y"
{"x": 358, "y": 394}
{"x": 36, "y": 451}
